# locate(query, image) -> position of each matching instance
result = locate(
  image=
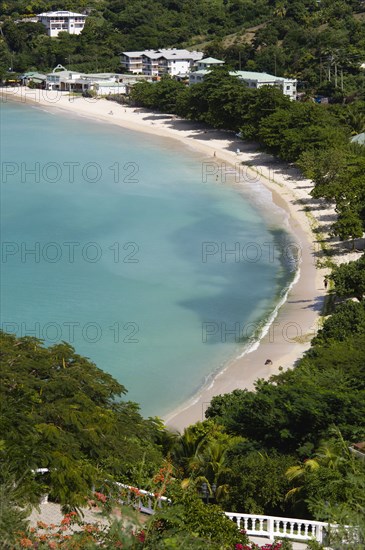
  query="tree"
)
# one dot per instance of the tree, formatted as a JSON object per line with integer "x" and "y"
{"x": 332, "y": 485}
{"x": 59, "y": 411}
{"x": 190, "y": 523}
{"x": 349, "y": 279}
{"x": 257, "y": 482}
{"x": 338, "y": 177}
{"x": 348, "y": 321}
{"x": 348, "y": 225}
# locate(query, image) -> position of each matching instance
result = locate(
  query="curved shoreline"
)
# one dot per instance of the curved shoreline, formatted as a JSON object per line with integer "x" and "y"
{"x": 295, "y": 322}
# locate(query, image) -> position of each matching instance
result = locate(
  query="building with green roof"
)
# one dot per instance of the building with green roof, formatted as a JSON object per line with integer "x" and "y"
{"x": 207, "y": 62}
{"x": 254, "y": 80}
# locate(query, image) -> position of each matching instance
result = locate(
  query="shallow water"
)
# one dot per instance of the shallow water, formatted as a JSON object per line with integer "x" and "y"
{"x": 111, "y": 241}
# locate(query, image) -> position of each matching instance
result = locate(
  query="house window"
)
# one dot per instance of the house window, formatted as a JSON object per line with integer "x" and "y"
{"x": 288, "y": 87}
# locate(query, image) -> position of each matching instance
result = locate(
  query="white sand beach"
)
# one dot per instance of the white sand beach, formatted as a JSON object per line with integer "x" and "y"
{"x": 297, "y": 320}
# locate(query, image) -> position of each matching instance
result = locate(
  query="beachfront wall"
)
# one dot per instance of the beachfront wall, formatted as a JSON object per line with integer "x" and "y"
{"x": 62, "y": 21}
{"x": 107, "y": 88}
{"x": 271, "y": 527}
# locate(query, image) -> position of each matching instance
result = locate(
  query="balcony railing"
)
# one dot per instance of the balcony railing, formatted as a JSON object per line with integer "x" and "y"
{"x": 271, "y": 527}
{"x": 257, "y": 525}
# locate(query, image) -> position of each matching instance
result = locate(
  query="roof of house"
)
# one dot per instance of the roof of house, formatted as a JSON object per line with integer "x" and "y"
{"x": 211, "y": 61}
{"x": 73, "y": 75}
{"x": 259, "y": 77}
{"x": 34, "y": 76}
{"x": 360, "y": 138}
{"x": 61, "y": 13}
{"x": 247, "y": 75}
{"x": 169, "y": 53}
{"x": 133, "y": 54}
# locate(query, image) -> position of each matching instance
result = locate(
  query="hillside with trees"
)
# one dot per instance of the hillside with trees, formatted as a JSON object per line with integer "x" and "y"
{"x": 322, "y": 44}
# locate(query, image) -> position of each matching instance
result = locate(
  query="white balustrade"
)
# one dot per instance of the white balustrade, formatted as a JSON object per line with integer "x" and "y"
{"x": 143, "y": 506}
{"x": 253, "y": 524}
{"x": 271, "y": 527}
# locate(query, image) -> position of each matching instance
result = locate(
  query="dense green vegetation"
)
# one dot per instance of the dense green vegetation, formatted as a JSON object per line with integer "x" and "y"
{"x": 59, "y": 411}
{"x": 316, "y": 137}
{"x": 320, "y": 43}
{"x": 114, "y": 26}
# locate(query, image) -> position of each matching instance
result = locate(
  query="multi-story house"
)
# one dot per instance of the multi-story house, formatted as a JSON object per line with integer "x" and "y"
{"x": 62, "y": 21}
{"x": 159, "y": 62}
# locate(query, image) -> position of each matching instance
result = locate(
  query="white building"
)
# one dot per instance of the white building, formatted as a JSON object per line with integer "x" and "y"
{"x": 254, "y": 80}
{"x": 207, "y": 62}
{"x": 159, "y": 62}
{"x": 62, "y": 21}
{"x": 132, "y": 62}
{"x": 101, "y": 83}
{"x": 257, "y": 80}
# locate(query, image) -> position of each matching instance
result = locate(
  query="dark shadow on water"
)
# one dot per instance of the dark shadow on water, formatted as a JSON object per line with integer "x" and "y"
{"x": 233, "y": 295}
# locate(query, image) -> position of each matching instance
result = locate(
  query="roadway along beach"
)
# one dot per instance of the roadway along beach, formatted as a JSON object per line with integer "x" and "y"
{"x": 296, "y": 322}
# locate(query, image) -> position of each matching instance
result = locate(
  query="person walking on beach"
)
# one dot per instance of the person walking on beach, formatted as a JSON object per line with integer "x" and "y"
{"x": 325, "y": 283}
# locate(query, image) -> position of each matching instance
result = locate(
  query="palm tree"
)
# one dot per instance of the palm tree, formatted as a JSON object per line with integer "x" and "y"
{"x": 280, "y": 10}
{"x": 356, "y": 121}
{"x": 333, "y": 454}
{"x": 186, "y": 449}
{"x": 298, "y": 474}
{"x": 201, "y": 455}
{"x": 209, "y": 465}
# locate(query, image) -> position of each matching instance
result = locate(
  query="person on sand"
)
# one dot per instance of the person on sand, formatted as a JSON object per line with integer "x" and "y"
{"x": 268, "y": 362}
{"x": 325, "y": 283}
{"x": 111, "y": 112}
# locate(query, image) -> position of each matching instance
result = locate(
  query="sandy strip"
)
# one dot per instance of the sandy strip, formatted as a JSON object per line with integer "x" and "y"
{"x": 297, "y": 320}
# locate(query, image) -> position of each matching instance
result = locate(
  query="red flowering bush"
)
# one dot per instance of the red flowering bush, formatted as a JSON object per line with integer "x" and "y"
{"x": 101, "y": 497}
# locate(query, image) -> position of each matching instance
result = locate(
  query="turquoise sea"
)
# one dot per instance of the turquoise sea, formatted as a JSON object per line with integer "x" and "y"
{"x": 111, "y": 241}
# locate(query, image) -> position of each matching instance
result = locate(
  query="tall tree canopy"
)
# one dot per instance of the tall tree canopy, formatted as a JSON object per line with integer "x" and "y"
{"x": 59, "y": 411}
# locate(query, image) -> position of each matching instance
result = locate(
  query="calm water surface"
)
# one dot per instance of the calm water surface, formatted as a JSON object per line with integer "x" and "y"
{"x": 111, "y": 241}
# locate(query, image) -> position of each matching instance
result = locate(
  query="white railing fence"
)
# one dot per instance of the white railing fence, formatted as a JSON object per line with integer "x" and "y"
{"x": 144, "y": 501}
{"x": 271, "y": 527}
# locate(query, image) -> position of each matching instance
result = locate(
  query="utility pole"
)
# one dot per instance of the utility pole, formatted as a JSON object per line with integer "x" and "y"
{"x": 320, "y": 71}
